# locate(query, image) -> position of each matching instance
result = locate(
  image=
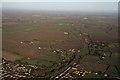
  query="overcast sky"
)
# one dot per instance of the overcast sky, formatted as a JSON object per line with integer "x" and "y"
{"x": 64, "y": 6}
{"x": 60, "y": 0}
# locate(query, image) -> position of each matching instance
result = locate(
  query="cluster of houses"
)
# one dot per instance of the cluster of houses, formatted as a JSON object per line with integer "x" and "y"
{"x": 73, "y": 50}
{"x": 16, "y": 70}
{"x": 75, "y": 71}
{"x": 72, "y": 72}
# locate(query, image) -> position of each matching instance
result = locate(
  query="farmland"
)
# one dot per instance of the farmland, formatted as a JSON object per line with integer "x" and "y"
{"x": 59, "y": 46}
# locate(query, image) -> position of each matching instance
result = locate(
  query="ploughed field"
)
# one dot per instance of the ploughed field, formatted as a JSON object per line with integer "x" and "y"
{"x": 51, "y": 41}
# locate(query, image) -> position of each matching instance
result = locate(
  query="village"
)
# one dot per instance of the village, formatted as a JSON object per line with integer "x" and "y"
{"x": 16, "y": 71}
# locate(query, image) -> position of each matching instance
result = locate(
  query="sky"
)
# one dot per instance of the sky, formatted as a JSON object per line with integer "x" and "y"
{"x": 60, "y": 0}
{"x": 64, "y": 6}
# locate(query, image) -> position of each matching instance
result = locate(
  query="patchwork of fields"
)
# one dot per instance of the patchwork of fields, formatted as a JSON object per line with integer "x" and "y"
{"x": 53, "y": 43}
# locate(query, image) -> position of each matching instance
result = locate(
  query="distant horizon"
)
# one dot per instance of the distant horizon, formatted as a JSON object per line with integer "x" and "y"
{"x": 104, "y": 7}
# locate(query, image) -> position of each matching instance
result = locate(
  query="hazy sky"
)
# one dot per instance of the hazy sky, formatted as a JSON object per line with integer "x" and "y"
{"x": 60, "y": 0}
{"x": 64, "y": 6}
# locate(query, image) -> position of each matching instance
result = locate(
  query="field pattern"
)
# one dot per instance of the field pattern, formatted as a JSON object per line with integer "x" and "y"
{"x": 60, "y": 46}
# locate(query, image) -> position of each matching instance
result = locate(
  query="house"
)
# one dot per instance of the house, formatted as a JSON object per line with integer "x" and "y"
{"x": 66, "y": 33}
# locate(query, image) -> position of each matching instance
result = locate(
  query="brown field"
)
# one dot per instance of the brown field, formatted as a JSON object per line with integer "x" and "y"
{"x": 69, "y": 45}
{"x": 44, "y": 31}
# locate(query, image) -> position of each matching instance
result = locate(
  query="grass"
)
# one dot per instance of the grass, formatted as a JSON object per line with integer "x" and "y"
{"x": 91, "y": 76}
{"x": 27, "y": 26}
{"x": 84, "y": 50}
{"x": 74, "y": 34}
{"x": 18, "y": 29}
{"x": 97, "y": 24}
{"x": 92, "y": 32}
{"x": 7, "y": 54}
{"x": 30, "y": 30}
{"x": 47, "y": 58}
{"x": 7, "y": 33}
{"x": 38, "y": 62}
{"x": 63, "y": 26}
{"x": 59, "y": 17}
{"x": 112, "y": 71}
{"x": 112, "y": 61}
{"x": 90, "y": 58}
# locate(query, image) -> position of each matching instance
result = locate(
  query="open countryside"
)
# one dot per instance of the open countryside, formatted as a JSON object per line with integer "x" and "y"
{"x": 59, "y": 46}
